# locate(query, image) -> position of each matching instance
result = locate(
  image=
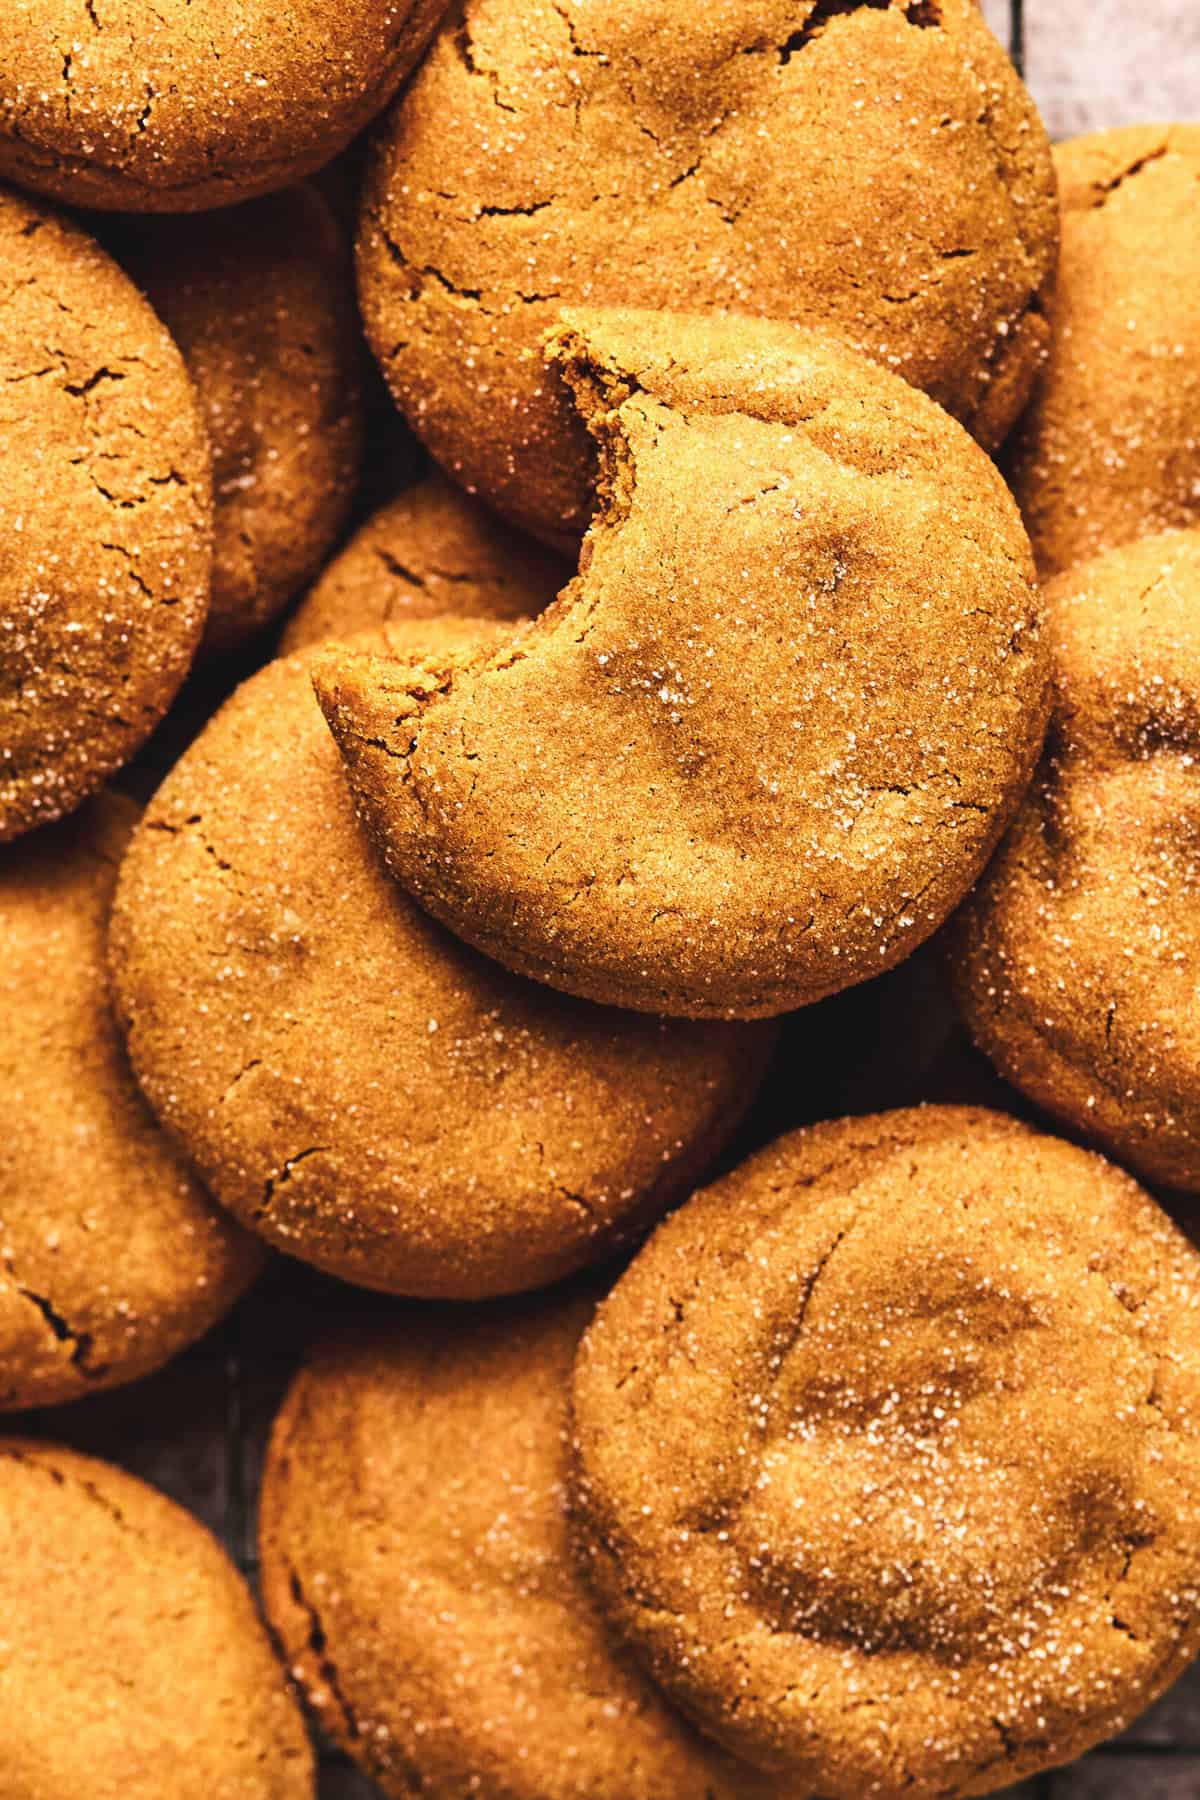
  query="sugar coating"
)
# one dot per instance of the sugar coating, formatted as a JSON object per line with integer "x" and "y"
{"x": 169, "y": 106}
{"x": 105, "y": 516}
{"x": 874, "y": 168}
{"x": 1075, "y": 960}
{"x": 430, "y": 552}
{"x": 133, "y": 1665}
{"x": 887, "y": 1454}
{"x": 768, "y": 738}
{"x": 1109, "y": 451}
{"x": 417, "y": 1572}
{"x": 352, "y": 1082}
{"x": 112, "y": 1256}
{"x": 258, "y": 298}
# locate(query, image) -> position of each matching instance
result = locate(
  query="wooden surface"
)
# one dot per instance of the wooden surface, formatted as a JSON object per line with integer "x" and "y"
{"x": 198, "y": 1429}
{"x": 1092, "y": 63}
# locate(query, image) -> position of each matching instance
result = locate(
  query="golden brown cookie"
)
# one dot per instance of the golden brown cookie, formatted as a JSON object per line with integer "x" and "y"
{"x": 430, "y": 552}
{"x": 133, "y": 1665}
{"x": 877, "y": 169}
{"x": 112, "y": 1256}
{"x": 258, "y": 299}
{"x": 1075, "y": 960}
{"x": 769, "y": 737}
{"x": 417, "y": 1572}
{"x": 105, "y": 517}
{"x": 888, "y": 1454}
{"x": 167, "y": 106}
{"x": 353, "y": 1082}
{"x": 1109, "y": 450}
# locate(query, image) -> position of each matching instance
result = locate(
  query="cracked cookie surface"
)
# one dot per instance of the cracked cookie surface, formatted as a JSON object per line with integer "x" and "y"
{"x": 887, "y": 1454}
{"x": 258, "y": 299}
{"x": 134, "y": 1666}
{"x": 105, "y": 516}
{"x": 431, "y": 551}
{"x": 166, "y": 106}
{"x": 876, "y": 169}
{"x": 1074, "y": 961}
{"x": 112, "y": 1256}
{"x": 1109, "y": 450}
{"x": 353, "y": 1082}
{"x": 768, "y": 738}
{"x": 417, "y": 1571}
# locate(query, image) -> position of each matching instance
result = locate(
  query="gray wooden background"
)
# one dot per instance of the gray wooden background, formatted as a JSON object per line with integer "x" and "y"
{"x": 197, "y": 1429}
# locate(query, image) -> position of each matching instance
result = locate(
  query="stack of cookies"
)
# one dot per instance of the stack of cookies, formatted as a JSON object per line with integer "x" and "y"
{"x": 802, "y": 567}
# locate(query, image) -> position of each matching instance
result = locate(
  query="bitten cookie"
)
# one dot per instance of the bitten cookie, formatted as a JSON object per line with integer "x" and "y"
{"x": 354, "y": 1083}
{"x": 417, "y": 1572}
{"x": 166, "y": 106}
{"x": 430, "y": 552}
{"x": 877, "y": 169}
{"x": 112, "y": 1256}
{"x": 1074, "y": 962}
{"x": 105, "y": 516}
{"x": 259, "y": 302}
{"x": 768, "y": 738}
{"x": 1109, "y": 450}
{"x": 133, "y": 1665}
{"x": 888, "y": 1454}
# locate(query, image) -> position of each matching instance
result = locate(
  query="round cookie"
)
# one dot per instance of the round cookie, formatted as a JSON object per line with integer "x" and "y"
{"x": 112, "y": 1257}
{"x": 430, "y": 552}
{"x": 258, "y": 300}
{"x": 105, "y": 517}
{"x": 888, "y": 1454}
{"x": 354, "y": 1083}
{"x": 166, "y": 106}
{"x": 1074, "y": 960}
{"x": 876, "y": 169}
{"x": 1109, "y": 450}
{"x": 417, "y": 1572}
{"x": 134, "y": 1666}
{"x": 768, "y": 738}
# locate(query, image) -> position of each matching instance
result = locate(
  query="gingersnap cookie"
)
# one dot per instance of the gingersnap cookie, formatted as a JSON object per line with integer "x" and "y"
{"x": 258, "y": 300}
{"x": 417, "y": 1572}
{"x": 133, "y": 1665}
{"x": 1108, "y": 451}
{"x": 105, "y": 519}
{"x": 888, "y": 1454}
{"x": 353, "y": 1082}
{"x": 112, "y": 1256}
{"x": 166, "y": 106}
{"x": 767, "y": 739}
{"x": 1074, "y": 960}
{"x": 874, "y": 169}
{"x": 431, "y": 551}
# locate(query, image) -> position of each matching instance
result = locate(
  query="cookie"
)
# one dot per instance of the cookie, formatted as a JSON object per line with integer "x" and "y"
{"x": 1109, "y": 450}
{"x": 875, "y": 169}
{"x": 769, "y": 737}
{"x": 134, "y": 1666}
{"x": 162, "y": 106}
{"x": 112, "y": 1257}
{"x": 887, "y": 1454}
{"x": 354, "y": 1083}
{"x": 258, "y": 300}
{"x": 1074, "y": 960}
{"x": 431, "y": 551}
{"x": 105, "y": 517}
{"x": 417, "y": 1572}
